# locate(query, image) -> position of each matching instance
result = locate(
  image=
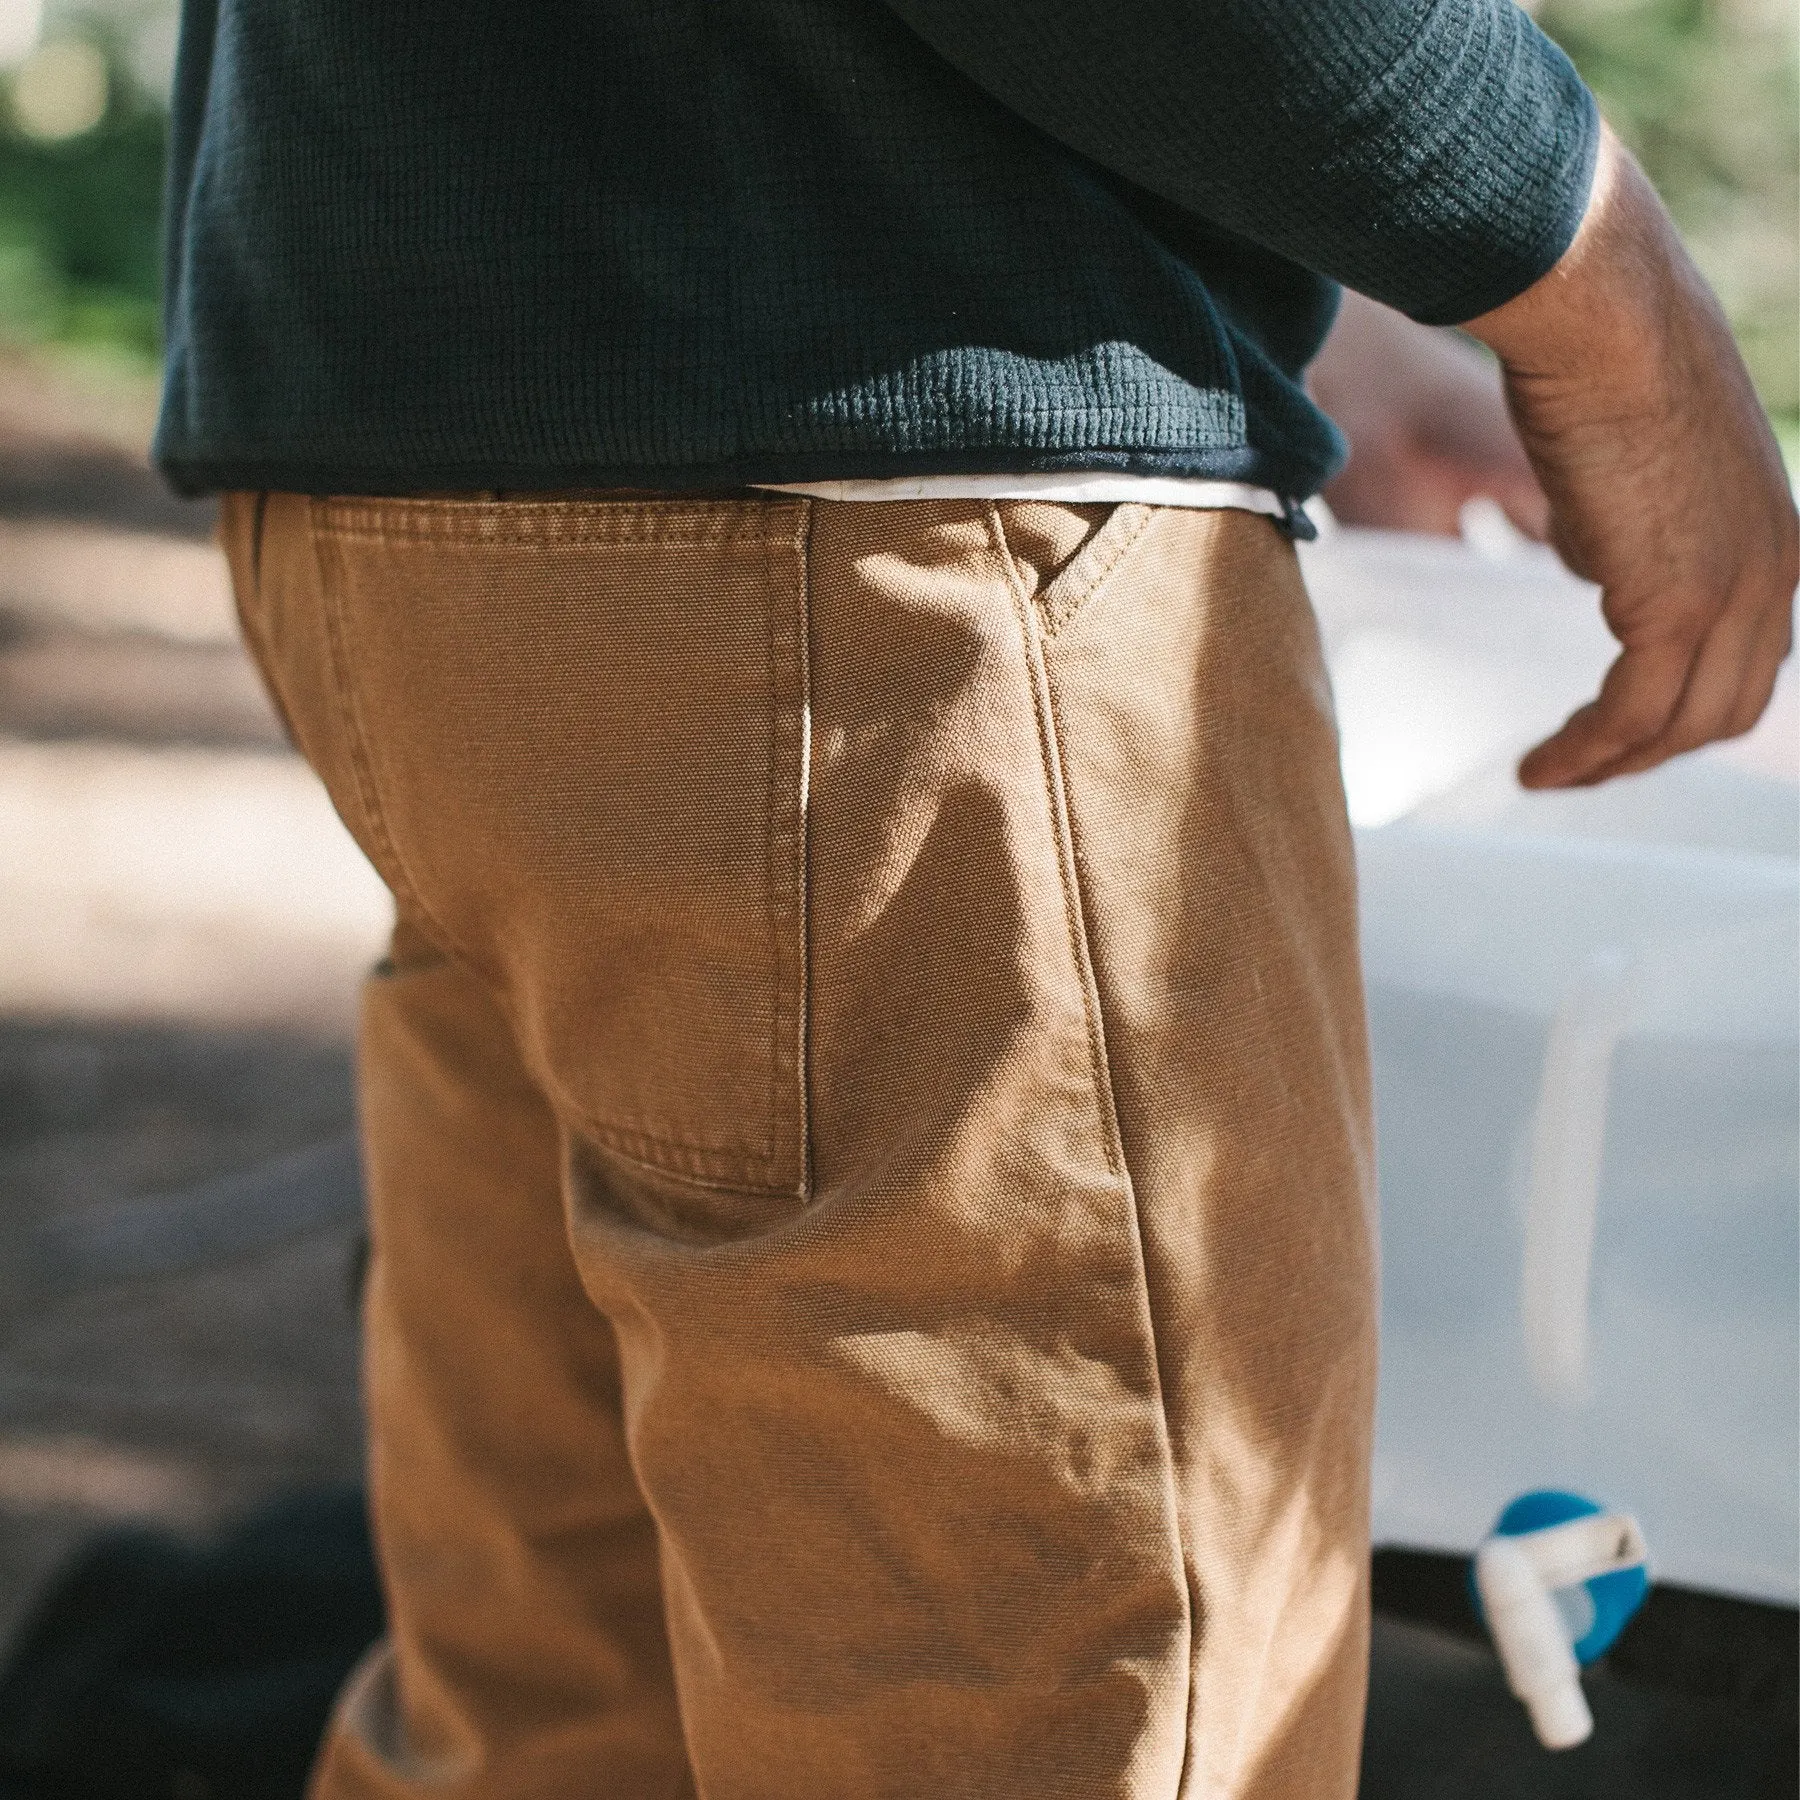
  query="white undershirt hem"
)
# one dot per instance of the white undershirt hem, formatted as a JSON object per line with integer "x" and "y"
{"x": 1081, "y": 487}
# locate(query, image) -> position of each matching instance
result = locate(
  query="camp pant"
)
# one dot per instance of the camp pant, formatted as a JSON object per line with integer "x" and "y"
{"x": 867, "y": 1133}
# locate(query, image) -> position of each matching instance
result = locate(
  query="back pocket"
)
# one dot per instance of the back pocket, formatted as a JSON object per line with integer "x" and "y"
{"x": 577, "y": 735}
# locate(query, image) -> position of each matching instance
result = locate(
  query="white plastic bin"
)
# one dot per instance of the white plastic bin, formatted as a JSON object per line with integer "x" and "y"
{"x": 1586, "y": 1021}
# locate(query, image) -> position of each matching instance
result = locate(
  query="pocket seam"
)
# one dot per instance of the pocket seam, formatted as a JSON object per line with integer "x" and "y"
{"x": 561, "y": 524}
{"x": 1048, "y": 732}
{"x": 793, "y": 1000}
{"x": 785, "y": 834}
{"x": 783, "y": 1167}
{"x": 718, "y": 1171}
{"x": 1060, "y": 601}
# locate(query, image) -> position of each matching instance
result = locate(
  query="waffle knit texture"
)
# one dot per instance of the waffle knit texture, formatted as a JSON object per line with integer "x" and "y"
{"x": 680, "y": 245}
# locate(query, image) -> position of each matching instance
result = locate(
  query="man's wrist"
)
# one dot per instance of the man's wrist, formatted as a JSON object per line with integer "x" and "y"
{"x": 1602, "y": 315}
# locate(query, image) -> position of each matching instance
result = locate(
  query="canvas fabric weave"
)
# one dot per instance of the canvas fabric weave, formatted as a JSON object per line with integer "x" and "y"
{"x": 867, "y": 1126}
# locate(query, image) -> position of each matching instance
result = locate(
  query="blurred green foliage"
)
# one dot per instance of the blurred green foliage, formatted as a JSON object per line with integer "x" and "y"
{"x": 1705, "y": 91}
{"x": 80, "y": 234}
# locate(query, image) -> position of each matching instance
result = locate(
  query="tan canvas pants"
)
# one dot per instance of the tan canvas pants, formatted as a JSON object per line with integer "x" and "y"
{"x": 867, "y": 1131}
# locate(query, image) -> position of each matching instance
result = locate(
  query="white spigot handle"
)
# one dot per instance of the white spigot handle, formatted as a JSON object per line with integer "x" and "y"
{"x": 1516, "y": 1576}
{"x": 1528, "y": 1633}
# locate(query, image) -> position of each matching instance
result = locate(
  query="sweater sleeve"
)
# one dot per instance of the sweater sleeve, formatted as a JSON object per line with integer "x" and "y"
{"x": 1433, "y": 154}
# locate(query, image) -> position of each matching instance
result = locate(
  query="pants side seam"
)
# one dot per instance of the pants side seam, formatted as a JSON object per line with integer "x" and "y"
{"x": 1076, "y": 867}
{"x": 803, "y": 1024}
{"x": 1043, "y": 708}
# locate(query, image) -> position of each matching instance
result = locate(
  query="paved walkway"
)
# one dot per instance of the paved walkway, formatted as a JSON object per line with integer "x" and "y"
{"x": 182, "y": 926}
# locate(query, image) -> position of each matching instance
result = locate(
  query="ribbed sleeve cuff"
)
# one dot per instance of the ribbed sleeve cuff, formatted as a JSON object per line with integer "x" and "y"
{"x": 1536, "y": 193}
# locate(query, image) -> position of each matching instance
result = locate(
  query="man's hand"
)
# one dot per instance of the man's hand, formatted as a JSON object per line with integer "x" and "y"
{"x": 1664, "y": 481}
{"x": 1426, "y": 417}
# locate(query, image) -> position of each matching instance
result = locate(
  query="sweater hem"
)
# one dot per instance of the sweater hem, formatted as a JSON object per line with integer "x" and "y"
{"x": 198, "y": 473}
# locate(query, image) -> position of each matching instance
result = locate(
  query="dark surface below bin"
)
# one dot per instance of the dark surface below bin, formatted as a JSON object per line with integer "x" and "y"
{"x": 155, "y": 1669}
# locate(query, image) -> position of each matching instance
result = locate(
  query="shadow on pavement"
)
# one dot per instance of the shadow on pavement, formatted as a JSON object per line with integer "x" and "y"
{"x": 155, "y": 1667}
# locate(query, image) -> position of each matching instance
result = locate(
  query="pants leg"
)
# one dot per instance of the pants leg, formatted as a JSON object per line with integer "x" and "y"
{"x": 1216, "y": 875}
{"x": 930, "y": 929}
{"x": 526, "y": 1646}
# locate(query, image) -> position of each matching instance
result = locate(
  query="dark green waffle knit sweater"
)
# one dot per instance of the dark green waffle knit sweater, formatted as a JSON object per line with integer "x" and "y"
{"x": 694, "y": 243}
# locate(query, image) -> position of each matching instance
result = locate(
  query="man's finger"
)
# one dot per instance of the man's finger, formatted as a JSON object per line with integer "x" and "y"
{"x": 1635, "y": 702}
{"x": 1772, "y": 651}
{"x": 1729, "y": 667}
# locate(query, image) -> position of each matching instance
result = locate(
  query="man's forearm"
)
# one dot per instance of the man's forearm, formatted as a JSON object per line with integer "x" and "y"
{"x": 1604, "y": 311}
{"x": 1664, "y": 480}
